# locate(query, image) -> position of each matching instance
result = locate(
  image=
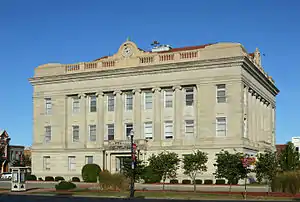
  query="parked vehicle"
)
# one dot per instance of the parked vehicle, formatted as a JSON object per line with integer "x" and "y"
{"x": 6, "y": 176}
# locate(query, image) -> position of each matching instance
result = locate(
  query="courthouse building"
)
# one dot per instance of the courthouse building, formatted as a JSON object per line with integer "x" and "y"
{"x": 208, "y": 97}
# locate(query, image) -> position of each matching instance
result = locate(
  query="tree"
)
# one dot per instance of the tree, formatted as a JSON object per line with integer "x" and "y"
{"x": 230, "y": 167}
{"x": 193, "y": 164}
{"x": 165, "y": 164}
{"x": 90, "y": 172}
{"x": 128, "y": 171}
{"x": 289, "y": 159}
{"x": 27, "y": 160}
{"x": 266, "y": 167}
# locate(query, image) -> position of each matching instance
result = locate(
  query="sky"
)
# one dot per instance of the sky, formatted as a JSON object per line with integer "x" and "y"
{"x": 35, "y": 32}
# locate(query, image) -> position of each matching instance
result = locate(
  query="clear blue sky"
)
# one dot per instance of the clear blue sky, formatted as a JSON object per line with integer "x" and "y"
{"x": 69, "y": 31}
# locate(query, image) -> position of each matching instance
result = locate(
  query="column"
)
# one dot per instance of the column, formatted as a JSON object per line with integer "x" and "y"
{"x": 250, "y": 115}
{"x": 137, "y": 114}
{"x": 253, "y": 116}
{"x": 245, "y": 112}
{"x": 267, "y": 125}
{"x": 262, "y": 121}
{"x": 100, "y": 119}
{"x": 197, "y": 110}
{"x": 157, "y": 114}
{"x": 178, "y": 113}
{"x": 256, "y": 118}
{"x": 273, "y": 127}
{"x": 119, "y": 133}
{"x": 82, "y": 127}
{"x": 67, "y": 111}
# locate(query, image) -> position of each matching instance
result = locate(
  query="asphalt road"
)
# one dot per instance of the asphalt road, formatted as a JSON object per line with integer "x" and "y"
{"x": 49, "y": 185}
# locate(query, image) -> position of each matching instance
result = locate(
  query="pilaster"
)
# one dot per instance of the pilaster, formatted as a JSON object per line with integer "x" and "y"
{"x": 245, "y": 112}
{"x": 100, "y": 119}
{"x": 178, "y": 112}
{"x": 83, "y": 135}
{"x": 67, "y": 111}
{"x": 157, "y": 114}
{"x": 197, "y": 110}
{"x": 118, "y": 116}
{"x": 137, "y": 114}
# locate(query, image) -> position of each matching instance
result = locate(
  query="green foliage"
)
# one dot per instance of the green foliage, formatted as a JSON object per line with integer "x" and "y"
{"x": 128, "y": 171}
{"x": 59, "y": 178}
{"x": 27, "y": 160}
{"x": 289, "y": 158}
{"x": 31, "y": 178}
{"x": 49, "y": 178}
{"x": 173, "y": 181}
{"x": 90, "y": 172}
{"x": 186, "y": 181}
{"x": 150, "y": 176}
{"x": 75, "y": 179}
{"x": 208, "y": 182}
{"x": 220, "y": 181}
{"x": 63, "y": 185}
{"x": 198, "y": 181}
{"x": 288, "y": 182}
{"x": 230, "y": 166}
{"x": 266, "y": 166}
{"x": 165, "y": 164}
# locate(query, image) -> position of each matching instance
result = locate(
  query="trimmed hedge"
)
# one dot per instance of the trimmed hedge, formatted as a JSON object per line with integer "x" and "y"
{"x": 63, "y": 185}
{"x": 208, "y": 182}
{"x": 49, "y": 178}
{"x": 75, "y": 179}
{"x": 198, "y": 181}
{"x": 40, "y": 179}
{"x": 31, "y": 178}
{"x": 174, "y": 181}
{"x": 59, "y": 178}
{"x": 149, "y": 176}
{"x": 90, "y": 172}
{"x": 186, "y": 181}
{"x": 220, "y": 181}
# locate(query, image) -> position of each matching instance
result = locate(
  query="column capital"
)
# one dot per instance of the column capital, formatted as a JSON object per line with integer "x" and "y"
{"x": 156, "y": 89}
{"x": 82, "y": 95}
{"x": 117, "y": 92}
{"x": 137, "y": 90}
{"x": 99, "y": 93}
{"x": 263, "y": 100}
{"x": 259, "y": 97}
{"x": 177, "y": 87}
{"x": 251, "y": 90}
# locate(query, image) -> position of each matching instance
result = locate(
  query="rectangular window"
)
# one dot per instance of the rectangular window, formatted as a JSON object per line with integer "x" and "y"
{"x": 148, "y": 100}
{"x": 110, "y": 102}
{"x": 128, "y": 129}
{"x": 75, "y": 133}
{"x": 168, "y": 95}
{"x": 48, "y": 106}
{"x": 221, "y": 126}
{"x": 89, "y": 160}
{"x": 221, "y": 93}
{"x": 72, "y": 163}
{"x": 189, "y": 127}
{"x": 48, "y": 133}
{"x": 92, "y": 133}
{"x": 46, "y": 163}
{"x": 110, "y": 131}
{"x": 148, "y": 130}
{"x": 189, "y": 96}
{"x": 128, "y": 101}
{"x": 93, "y": 103}
{"x": 168, "y": 126}
{"x": 75, "y": 105}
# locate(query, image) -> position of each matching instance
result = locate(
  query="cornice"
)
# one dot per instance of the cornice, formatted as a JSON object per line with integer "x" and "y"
{"x": 139, "y": 70}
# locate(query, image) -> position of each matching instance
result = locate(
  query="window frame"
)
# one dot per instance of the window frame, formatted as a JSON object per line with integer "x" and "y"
{"x": 126, "y": 132}
{"x": 77, "y": 99}
{"x": 146, "y": 135}
{"x": 220, "y": 88}
{"x": 46, "y": 164}
{"x": 186, "y": 94}
{"x": 110, "y": 128}
{"x": 70, "y": 167}
{"x": 186, "y": 125}
{"x": 87, "y": 159}
{"x": 128, "y": 106}
{"x": 148, "y": 103}
{"x": 111, "y": 102}
{"x": 46, "y": 135}
{"x": 165, "y": 131}
{"x": 217, "y": 125}
{"x": 168, "y": 93}
{"x": 93, "y": 107}
{"x": 48, "y": 106}
{"x": 73, "y": 126}
{"x": 95, "y": 129}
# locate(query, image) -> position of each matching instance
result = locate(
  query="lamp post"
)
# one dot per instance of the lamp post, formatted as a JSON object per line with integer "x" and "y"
{"x": 132, "y": 165}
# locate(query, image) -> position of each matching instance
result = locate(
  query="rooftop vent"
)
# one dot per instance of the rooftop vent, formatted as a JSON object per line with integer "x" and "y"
{"x": 157, "y": 47}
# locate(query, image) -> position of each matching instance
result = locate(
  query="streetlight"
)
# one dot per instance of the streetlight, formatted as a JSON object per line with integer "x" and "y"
{"x": 132, "y": 164}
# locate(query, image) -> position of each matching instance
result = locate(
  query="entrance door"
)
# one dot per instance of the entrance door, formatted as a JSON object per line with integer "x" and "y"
{"x": 121, "y": 161}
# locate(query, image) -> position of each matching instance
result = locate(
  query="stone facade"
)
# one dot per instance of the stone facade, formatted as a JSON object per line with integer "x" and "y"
{"x": 210, "y": 97}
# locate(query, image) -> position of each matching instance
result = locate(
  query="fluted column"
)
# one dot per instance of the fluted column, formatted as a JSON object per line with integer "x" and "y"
{"x": 178, "y": 113}
{"x": 257, "y": 118}
{"x": 273, "y": 127}
{"x": 245, "y": 112}
{"x": 100, "y": 119}
{"x": 267, "y": 126}
{"x": 157, "y": 114}
{"x": 250, "y": 115}
{"x": 119, "y": 134}
{"x": 253, "y": 115}
{"x": 197, "y": 110}
{"x": 137, "y": 114}
{"x": 83, "y": 134}
{"x": 67, "y": 112}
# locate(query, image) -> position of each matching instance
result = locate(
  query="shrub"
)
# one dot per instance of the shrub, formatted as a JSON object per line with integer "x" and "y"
{"x": 186, "y": 181}
{"x": 235, "y": 181}
{"x": 75, "y": 179}
{"x": 198, "y": 181}
{"x": 31, "y": 178}
{"x": 174, "y": 181}
{"x": 208, "y": 182}
{"x": 90, "y": 172}
{"x": 49, "y": 178}
{"x": 63, "y": 185}
{"x": 220, "y": 181}
{"x": 59, "y": 178}
{"x": 288, "y": 182}
{"x": 40, "y": 179}
{"x": 149, "y": 176}
{"x": 110, "y": 181}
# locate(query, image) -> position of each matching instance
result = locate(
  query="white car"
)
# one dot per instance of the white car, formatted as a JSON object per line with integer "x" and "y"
{"x": 6, "y": 176}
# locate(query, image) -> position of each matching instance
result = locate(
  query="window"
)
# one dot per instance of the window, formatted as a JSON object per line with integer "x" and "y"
{"x": 110, "y": 102}
{"x": 89, "y": 159}
{"x": 46, "y": 163}
{"x": 110, "y": 131}
{"x": 189, "y": 127}
{"x": 75, "y": 131}
{"x": 75, "y": 105}
{"x": 168, "y": 129}
{"x": 128, "y": 129}
{"x": 92, "y": 133}
{"x": 128, "y": 101}
{"x": 48, "y": 106}
{"x": 168, "y": 94}
{"x": 221, "y": 126}
{"x": 189, "y": 96}
{"x": 71, "y": 163}
{"x": 148, "y": 100}
{"x": 93, "y": 103}
{"x": 47, "y": 133}
{"x": 221, "y": 93}
{"x": 148, "y": 130}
